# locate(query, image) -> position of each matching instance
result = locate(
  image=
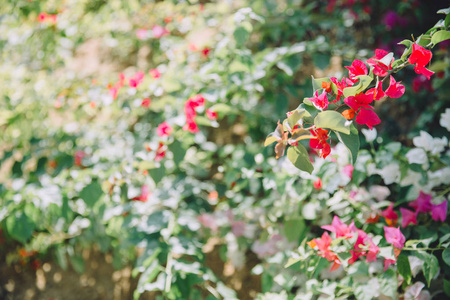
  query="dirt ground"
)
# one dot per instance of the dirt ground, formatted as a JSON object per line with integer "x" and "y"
{"x": 101, "y": 281}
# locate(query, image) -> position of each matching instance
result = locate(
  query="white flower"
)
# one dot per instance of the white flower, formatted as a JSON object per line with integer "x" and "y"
{"x": 379, "y": 192}
{"x": 390, "y": 173}
{"x": 417, "y": 156}
{"x": 427, "y": 142}
{"x": 445, "y": 119}
{"x": 370, "y": 135}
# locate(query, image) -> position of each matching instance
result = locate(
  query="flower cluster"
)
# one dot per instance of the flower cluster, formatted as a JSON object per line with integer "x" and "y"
{"x": 189, "y": 109}
{"x": 362, "y": 244}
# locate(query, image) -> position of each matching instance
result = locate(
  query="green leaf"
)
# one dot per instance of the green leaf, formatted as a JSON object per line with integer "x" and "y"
{"x": 293, "y": 229}
{"x": 404, "y": 268}
{"x": 440, "y": 36}
{"x": 332, "y": 120}
{"x": 446, "y": 256}
{"x": 430, "y": 267}
{"x": 351, "y": 141}
{"x": 295, "y": 117}
{"x": 363, "y": 83}
{"x": 157, "y": 173}
{"x": 317, "y": 82}
{"x": 240, "y": 35}
{"x": 222, "y": 108}
{"x": 20, "y": 227}
{"x": 300, "y": 158}
{"x": 388, "y": 283}
{"x": 91, "y": 193}
{"x": 386, "y": 60}
{"x": 77, "y": 263}
{"x": 447, "y": 21}
{"x": 447, "y": 287}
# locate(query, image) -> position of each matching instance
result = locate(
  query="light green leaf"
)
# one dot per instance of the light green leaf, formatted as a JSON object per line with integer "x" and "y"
{"x": 440, "y": 36}
{"x": 388, "y": 283}
{"x": 351, "y": 141}
{"x": 430, "y": 267}
{"x": 363, "y": 83}
{"x": 295, "y": 117}
{"x": 222, "y": 108}
{"x": 300, "y": 158}
{"x": 317, "y": 82}
{"x": 446, "y": 256}
{"x": 332, "y": 120}
{"x": 386, "y": 60}
{"x": 293, "y": 229}
{"x": 445, "y": 11}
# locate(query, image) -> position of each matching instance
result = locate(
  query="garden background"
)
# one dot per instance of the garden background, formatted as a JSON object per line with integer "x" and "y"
{"x": 133, "y": 162}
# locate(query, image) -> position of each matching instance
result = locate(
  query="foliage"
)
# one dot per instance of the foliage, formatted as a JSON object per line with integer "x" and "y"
{"x": 137, "y": 127}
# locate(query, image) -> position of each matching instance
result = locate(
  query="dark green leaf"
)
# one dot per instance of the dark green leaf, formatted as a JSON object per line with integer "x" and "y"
{"x": 91, "y": 193}
{"x": 20, "y": 227}
{"x": 446, "y": 256}
{"x": 351, "y": 141}
{"x": 404, "y": 268}
{"x": 430, "y": 267}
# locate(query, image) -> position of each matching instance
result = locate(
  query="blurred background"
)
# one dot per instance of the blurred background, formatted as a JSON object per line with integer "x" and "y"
{"x": 110, "y": 188}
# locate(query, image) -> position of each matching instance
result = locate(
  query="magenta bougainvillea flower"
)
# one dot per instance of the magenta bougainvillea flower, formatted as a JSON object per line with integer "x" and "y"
{"x": 394, "y": 236}
{"x": 320, "y": 101}
{"x": 341, "y": 229}
{"x": 367, "y": 117}
{"x": 422, "y": 204}
{"x": 357, "y": 68}
{"x": 379, "y": 68}
{"x": 136, "y": 80}
{"x": 395, "y": 89}
{"x": 390, "y": 215}
{"x": 439, "y": 211}
{"x": 341, "y": 85}
{"x": 408, "y": 217}
{"x": 420, "y": 57}
{"x": 164, "y": 129}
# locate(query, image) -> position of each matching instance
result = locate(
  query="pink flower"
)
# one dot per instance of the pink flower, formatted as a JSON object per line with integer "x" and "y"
{"x": 160, "y": 152}
{"x": 159, "y": 31}
{"x": 268, "y": 248}
{"x": 421, "y": 82}
{"x": 380, "y": 69}
{"x": 388, "y": 262}
{"x": 395, "y": 89}
{"x": 320, "y": 102}
{"x": 367, "y": 117}
{"x": 341, "y": 229}
{"x": 146, "y": 102}
{"x": 238, "y": 228}
{"x": 114, "y": 91}
{"x": 357, "y": 68}
{"x": 372, "y": 253}
{"x": 42, "y": 17}
{"x": 212, "y": 115}
{"x": 422, "y": 204}
{"x": 191, "y": 126}
{"x": 136, "y": 80}
{"x": 348, "y": 170}
{"x": 439, "y": 211}
{"x": 390, "y": 215}
{"x": 345, "y": 82}
{"x": 208, "y": 221}
{"x": 145, "y": 193}
{"x": 408, "y": 217}
{"x": 421, "y": 57}
{"x": 79, "y": 155}
{"x": 141, "y": 33}
{"x": 154, "y": 73}
{"x": 323, "y": 245}
{"x": 164, "y": 129}
{"x": 394, "y": 236}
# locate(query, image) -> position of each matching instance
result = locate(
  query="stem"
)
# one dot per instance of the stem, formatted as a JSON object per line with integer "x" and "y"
{"x": 424, "y": 249}
{"x": 395, "y": 70}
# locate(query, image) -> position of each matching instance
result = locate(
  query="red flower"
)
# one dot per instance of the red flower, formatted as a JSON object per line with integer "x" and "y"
{"x": 206, "y": 51}
{"x": 395, "y": 89}
{"x": 42, "y": 17}
{"x": 318, "y": 184}
{"x": 421, "y": 57}
{"x": 164, "y": 129}
{"x": 345, "y": 82}
{"x": 320, "y": 141}
{"x": 189, "y": 109}
{"x": 323, "y": 245}
{"x": 380, "y": 69}
{"x": 357, "y": 68}
{"x": 191, "y": 126}
{"x": 136, "y": 80}
{"x": 79, "y": 155}
{"x": 390, "y": 215}
{"x": 408, "y": 217}
{"x": 367, "y": 117}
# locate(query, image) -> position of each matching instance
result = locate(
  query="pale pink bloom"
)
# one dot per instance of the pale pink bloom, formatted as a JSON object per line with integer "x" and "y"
{"x": 238, "y": 228}
{"x": 142, "y": 34}
{"x": 159, "y": 31}
{"x": 208, "y": 221}
{"x": 154, "y": 73}
{"x": 348, "y": 170}
{"x": 388, "y": 262}
{"x": 145, "y": 193}
{"x": 268, "y": 248}
{"x": 341, "y": 229}
{"x": 320, "y": 101}
{"x": 394, "y": 236}
{"x": 212, "y": 115}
